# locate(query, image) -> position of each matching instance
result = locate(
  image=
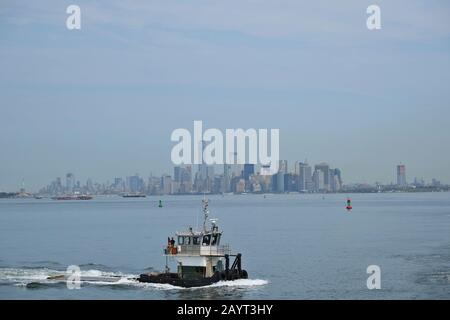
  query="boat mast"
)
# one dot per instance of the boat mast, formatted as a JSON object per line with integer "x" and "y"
{"x": 205, "y": 213}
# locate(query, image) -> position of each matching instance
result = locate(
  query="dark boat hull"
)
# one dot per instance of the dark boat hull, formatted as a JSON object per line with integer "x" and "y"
{"x": 174, "y": 280}
{"x": 133, "y": 196}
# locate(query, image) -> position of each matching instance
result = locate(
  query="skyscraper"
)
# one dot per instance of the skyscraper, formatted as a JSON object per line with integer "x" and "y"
{"x": 202, "y": 167}
{"x": 401, "y": 175}
{"x": 186, "y": 179}
{"x": 177, "y": 172}
{"x": 204, "y": 179}
{"x": 325, "y": 169}
{"x": 319, "y": 180}
{"x": 335, "y": 180}
{"x": 283, "y": 166}
{"x": 70, "y": 182}
{"x": 89, "y": 185}
{"x": 134, "y": 183}
{"x": 280, "y": 182}
{"x": 304, "y": 177}
{"x": 182, "y": 179}
{"x": 166, "y": 184}
{"x": 279, "y": 178}
{"x": 249, "y": 169}
{"x": 226, "y": 177}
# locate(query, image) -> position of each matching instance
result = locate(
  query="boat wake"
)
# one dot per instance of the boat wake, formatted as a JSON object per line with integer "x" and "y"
{"x": 240, "y": 283}
{"x": 46, "y": 277}
{"x": 41, "y": 278}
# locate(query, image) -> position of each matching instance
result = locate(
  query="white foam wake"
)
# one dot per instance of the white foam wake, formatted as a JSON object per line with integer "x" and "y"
{"x": 25, "y": 276}
{"x": 241, "y": 283}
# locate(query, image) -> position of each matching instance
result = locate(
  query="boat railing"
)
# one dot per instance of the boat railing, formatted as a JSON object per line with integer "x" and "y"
{"x": 198, "y": 250}
{"x": 215, "y": 250}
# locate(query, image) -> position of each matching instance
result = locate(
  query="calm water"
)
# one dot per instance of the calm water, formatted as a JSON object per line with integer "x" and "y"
{"x": 293, "y": 246}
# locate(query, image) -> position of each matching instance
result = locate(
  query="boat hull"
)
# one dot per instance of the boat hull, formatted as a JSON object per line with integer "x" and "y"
{"x": 174, "y": 280}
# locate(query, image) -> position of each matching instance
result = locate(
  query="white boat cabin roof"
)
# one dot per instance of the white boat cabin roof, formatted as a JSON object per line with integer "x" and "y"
{"x": 192, "y": 233}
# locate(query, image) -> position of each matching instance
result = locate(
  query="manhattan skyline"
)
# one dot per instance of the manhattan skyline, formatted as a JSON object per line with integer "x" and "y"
{"x": 102, "y": 101}
{"x": 294, "y": 180}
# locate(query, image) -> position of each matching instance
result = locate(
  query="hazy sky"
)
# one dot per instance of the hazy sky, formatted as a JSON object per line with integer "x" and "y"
{"x": 102, "y": 101}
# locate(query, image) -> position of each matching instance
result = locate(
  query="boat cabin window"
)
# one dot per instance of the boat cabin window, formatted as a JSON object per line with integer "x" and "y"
{"x": 206, "y": 240}
{"x": 215, "y": 239}
{"x": 196, "y": 240}
{"x": 184, "y": 240}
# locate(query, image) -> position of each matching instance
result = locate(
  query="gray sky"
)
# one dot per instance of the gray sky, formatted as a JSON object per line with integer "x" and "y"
{"x": 102, "y": 101}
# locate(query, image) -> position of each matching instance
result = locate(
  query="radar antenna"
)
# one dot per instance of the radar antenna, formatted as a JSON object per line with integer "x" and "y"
{"x": 205, "y": 212}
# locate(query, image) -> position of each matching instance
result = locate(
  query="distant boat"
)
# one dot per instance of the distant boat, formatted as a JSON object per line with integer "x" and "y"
{"x": 134, "y": 195}
{"x": 73, "y": 197}
{"x": 38, "y": 197}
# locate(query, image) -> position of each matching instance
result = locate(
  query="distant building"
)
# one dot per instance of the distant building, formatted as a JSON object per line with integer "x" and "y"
{"x": 280, "y": 184}
{"x": 234, "y": 182}
{"x": 177, "y": 174}
{"x": 249, "y": 169}
{"x": 335, "y": 180}
{"x": 290, "y": 182}
{"x": 263, "y": 180}
{"x": 70, "y": 182}
{"x": 419, "y": 182}
{"x": 240, "y": 186}
{"x": 119, "y": 185}
{"x": 305, "y": 183}
{"x": 182, "y": 180}
{"x": 319, "y": 180}
{"x": 154, "y": 185}
{"x": 58, "y": 184}
{"x": 89, "y": 186}
{"x": 283, "y": 166}
{"x": 134, "y": 183}
{"x": 325, "y": 169}
{"x": 278, "y": 179}
{"x": 166, "y": 184}
{"x": 226, "y": 178}
{"x": 257, "y": 188}
{"x": 218, "y": 183}
{"x": 401, "y": 175}
{"x": 435, "y": 182}
{"x": 204, "y": 178}
{"x": 186, "y": 180}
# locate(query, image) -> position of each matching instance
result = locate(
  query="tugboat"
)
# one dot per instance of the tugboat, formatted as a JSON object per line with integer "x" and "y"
{"x": 201, "y": 260}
